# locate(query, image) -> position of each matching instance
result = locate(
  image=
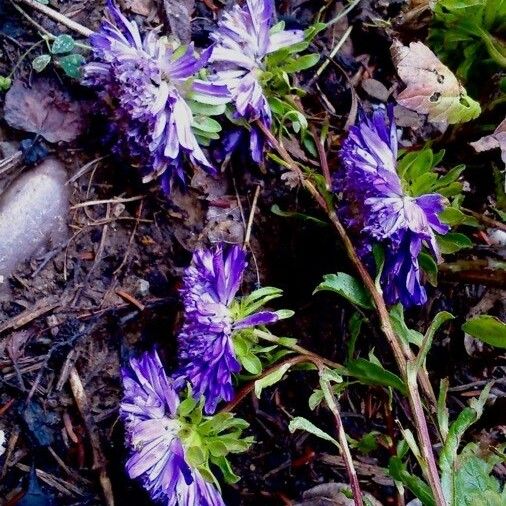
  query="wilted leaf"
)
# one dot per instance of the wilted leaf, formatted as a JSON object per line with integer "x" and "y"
{"x": 488, "y": 329}
{"x": 43, "y": 109}
{"x": 493, "y": 141}
{"x": 431, "y": 87}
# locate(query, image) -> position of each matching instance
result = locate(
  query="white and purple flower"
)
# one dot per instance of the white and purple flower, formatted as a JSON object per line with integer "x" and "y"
{"x": 157, "y": 454}
{"x": 242, "y": 42}
{"x": 146, "y": 81}
{"x": 375, "y": 203}
{"x": 206, "y": 349}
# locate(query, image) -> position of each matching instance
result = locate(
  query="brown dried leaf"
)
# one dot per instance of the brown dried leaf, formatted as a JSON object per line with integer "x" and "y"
{"x": 44, "y": 109}
{"x": 141, "y": 7}
{"x": 16, "y": 343}
{"x": 493, "y": 141}
{"x": 431, "y": 87}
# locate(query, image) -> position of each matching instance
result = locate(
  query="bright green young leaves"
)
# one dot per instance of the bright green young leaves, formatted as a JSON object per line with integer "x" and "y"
{"x": 209, "y": 439}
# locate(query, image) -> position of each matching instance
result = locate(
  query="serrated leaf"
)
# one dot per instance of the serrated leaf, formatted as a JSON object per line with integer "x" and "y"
{"x": 431, "y": 87}
{"x": 488, "y": 329}
{"x": 270, "y": 379}
{"x": 63, "y": 44}
{"x": 453, "y": 242}
{"x": 41, "y": 62}
{"x": 346, "y": 286}
{"x": 301, "y": 423}
{"x": 71, "y": 64}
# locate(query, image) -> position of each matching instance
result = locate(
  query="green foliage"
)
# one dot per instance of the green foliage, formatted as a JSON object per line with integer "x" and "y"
{"x": 469, "y": 34}
{"x": 348, "y": 287}
{"x": 5, "y": 83}
{"x": 62, "y": 56}
{"x": 276, "y": 83}
{"x": 301, "y": 423}
{"x": 453, "y": 242}
{"x": 372, "y": 373}
{"x": 209, "y": 439}
{"x": 271, "y": 379}
{"x": 417, "y": 170}
{"x": 488, "y": 329}
{"x": 409, "y": 336}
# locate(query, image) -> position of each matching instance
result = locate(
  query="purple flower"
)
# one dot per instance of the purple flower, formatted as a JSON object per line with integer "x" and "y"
{"x": 242, "y": 42}
{"x": 157, "y": 454}
{"x": 375, "y": 203}
{"x": 147, "y": 83}
{"x": 206, "y": 347}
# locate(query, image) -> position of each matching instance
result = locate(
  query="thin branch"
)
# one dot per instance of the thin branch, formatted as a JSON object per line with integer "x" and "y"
{"x": 251, "y": 217}
{"x": 343, "y": 442}
{"x": 486, "y": 220}
{"x": 57, "y": 16}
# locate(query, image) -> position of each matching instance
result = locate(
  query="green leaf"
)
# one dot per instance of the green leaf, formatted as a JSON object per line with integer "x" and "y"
{"x": 429, "y": 267}
{"x": 41, "y": 62}
{"x": 201, "y": 109}
{"x": 271, "y": 379}
{"x": 354, "y": 327}
{"x": 71, "y": 64}
{"x": 206, "y": 124}
{"x": 5, "y": 83}
{"x": 442, "y": 410}
{"x": 453, "y": 242}
{"x": 453, "y": 216}
{"x": 304, "y": 217}
{"x": 399, "y": 472}
{"x": 302, "y": 63}
{"x": 346, "y": 286}
{"x": 448, "y": 456}
{"x": 488, "y": 329}
{"x": 300, "y": 423}
{"x": 373, "y": 374}
{"x": 187, "y": 406}
{"x": 251, "y": 363}
{"x": 315, "y": 399}
{"x": 63, "y": 44}
{"x": 226, "y": 470}
{"x": 401, "y": 329}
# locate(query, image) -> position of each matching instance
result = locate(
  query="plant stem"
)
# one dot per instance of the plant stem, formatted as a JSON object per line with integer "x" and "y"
{"x": 57, "y": 16}
{"x": 400, "y": 349}
{"x": 486, "y": 220}
{"x": 343, "y": 442}
{"x": 266, "y": 336}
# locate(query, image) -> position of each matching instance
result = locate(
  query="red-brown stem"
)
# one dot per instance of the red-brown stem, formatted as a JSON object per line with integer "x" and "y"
{"x": 401, "y": 350}
{"x": 321, "y": 153}
{"x": 320, "y": 363}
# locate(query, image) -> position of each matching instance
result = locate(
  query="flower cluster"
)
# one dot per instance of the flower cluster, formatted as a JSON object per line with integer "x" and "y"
{"x": 242, "y": 42}
{"x": 376, "y": 204}
{"x": 158, "y": 455}
{"x": 147, "y": 83}
{"x": 206, "y": 348}
{"x": 172, "y": 443}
